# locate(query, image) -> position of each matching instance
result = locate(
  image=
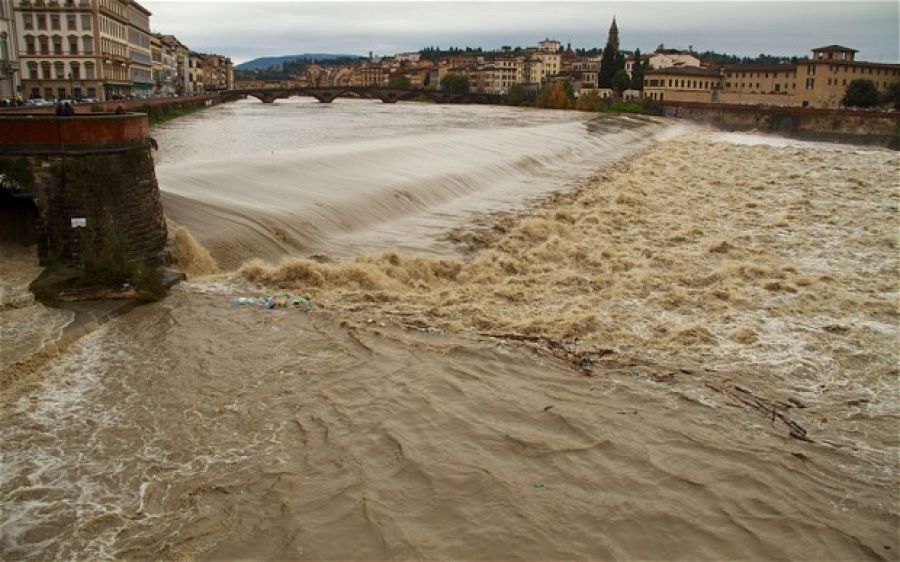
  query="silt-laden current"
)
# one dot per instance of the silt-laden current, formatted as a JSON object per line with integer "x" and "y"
{"x": 535, "y": 336}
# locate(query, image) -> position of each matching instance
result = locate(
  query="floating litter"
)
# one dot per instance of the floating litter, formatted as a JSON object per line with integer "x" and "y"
{"x": 277, "y": 300}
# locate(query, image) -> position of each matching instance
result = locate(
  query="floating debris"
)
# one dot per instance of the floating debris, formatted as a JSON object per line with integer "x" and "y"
{"x": 277, "y": 300}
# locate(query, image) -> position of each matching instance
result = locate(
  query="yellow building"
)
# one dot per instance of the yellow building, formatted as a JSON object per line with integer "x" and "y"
{"x": 820, "y": 82}
{"x": 682, "y": 83}
{"x": 767, "y": 84}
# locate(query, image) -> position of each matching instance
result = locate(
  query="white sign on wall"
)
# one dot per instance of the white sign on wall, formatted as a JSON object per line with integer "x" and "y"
{"x": 79, "y": 223}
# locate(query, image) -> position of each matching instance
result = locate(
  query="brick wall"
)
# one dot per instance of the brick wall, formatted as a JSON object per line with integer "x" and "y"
{"x": 102, "y": 176}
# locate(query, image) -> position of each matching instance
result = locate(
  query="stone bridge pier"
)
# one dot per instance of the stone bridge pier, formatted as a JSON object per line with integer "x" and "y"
{"x": 84, "y": 182}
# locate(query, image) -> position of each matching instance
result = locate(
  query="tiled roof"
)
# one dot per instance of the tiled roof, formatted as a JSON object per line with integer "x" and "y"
{"x": 836, "y": 48}
{"x": 783, "y": 67}
{"x": 684, "y": 71}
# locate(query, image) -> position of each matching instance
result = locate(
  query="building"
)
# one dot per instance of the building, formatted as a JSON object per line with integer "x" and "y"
{"x": 682, "y": 83}
{"x": 59, "y": 48}
{"x": 668, "y": 58}
{"x": 823, "y": 80}
{"x": 768, "y": 84}
{"x": 218, "y": 73}
{"x": 140, "y": 54}
{"x": 100, "y": 49}
{"x": 820, "y": 82}
{"x": 9, "y": 59}
{"x": 497, "y": 76}
{"x": 175, "y": 72}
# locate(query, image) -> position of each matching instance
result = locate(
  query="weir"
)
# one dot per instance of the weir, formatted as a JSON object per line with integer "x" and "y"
{"x": 77, "y": 184}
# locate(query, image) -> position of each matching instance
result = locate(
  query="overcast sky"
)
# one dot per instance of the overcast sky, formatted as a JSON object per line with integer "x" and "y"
{"x": 248, "y": 29}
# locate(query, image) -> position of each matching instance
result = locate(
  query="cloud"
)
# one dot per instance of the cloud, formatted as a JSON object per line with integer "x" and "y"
{"x": 247, "y": 29}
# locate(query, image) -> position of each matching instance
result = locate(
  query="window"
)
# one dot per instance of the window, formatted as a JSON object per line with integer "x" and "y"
{"x": 29, "y": 45}
{"x": 73, "y": 45}
{"x": 42, "y": 21}
{"x": 45, "y": 71}
{"x": 76, "y": 71}
{"x": 811, "y": 69}
{"x": 54, "y": 22}
{"x": 60, "y": 70}
{"x": 71, "y": 22}
{"x": 28, "y": 21}
{"x": 89, "y": 71}
{"x": 57, "y": 45}
{"x": 86, "y": 22}
{"x": 33, "y": 71}
{"x": 45, "y": 46}
{"x": 88, "y": 45}
{"x": 810, "y": 83}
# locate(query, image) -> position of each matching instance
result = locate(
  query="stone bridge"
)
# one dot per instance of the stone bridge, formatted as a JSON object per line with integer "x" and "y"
{"x": 387, "y": 95}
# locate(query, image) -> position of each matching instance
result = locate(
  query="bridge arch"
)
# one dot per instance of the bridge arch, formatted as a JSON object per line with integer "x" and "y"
{"x": 327, "y": 94}
{"x": 19, "y": 214}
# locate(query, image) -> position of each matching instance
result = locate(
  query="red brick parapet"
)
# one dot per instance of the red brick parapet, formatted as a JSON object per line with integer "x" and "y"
{"x": 91, "y": 132}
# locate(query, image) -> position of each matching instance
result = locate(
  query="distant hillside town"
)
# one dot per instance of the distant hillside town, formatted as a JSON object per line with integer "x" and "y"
{"x": 104, "y": 50}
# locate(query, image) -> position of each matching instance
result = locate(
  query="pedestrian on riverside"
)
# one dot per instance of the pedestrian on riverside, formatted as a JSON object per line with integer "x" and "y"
{"x": 68, "y": 110}
{"x": 120, "y": 110}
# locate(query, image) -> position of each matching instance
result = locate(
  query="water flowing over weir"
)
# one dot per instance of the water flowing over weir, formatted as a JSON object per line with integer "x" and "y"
{"x": 617, "y": 374}
{"x": 389, "y": 188}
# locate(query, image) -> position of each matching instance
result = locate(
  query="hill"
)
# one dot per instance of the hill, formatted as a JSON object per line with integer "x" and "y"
{"x": 267, "y": 62}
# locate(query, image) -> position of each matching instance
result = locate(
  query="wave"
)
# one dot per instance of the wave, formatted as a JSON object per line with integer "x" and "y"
{"x": 298, "y": 200}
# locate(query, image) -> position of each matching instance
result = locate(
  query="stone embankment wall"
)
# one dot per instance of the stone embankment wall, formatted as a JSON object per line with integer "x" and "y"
{"x": 154, "y": 108}
{"x": 91, "y": 179}
{"x": 840, "y": 125}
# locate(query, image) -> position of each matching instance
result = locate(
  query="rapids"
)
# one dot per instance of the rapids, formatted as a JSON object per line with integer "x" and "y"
{"x": 535, "y": 336}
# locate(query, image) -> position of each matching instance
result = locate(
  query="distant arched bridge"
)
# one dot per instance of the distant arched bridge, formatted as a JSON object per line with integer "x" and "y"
{"x": 387, "y": 95}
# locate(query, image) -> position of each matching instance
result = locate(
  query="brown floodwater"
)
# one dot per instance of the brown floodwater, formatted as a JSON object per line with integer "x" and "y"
{"x": 691, "y": 354}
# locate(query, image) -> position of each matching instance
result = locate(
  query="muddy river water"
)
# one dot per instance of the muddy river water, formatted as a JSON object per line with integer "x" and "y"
{"x": 533, "y": 336}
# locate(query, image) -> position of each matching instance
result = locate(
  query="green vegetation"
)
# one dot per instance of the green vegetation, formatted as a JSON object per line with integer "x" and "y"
{"x": 861, "y": 93}
{"x": 400, "y": 83}
{"x": 892, "y": 96}
{"x": 455, "y": 84}
{"x": 630, "y": 107}
{"x": 516, "y": 95}
{"x": 590, "y": 101}
{"x": 621, "y": 81}
{"x": 113, "y": 266}
{"x": 173, "y": 113}
{"x": 637, "y": 72}
{"x": 558, "y": 95}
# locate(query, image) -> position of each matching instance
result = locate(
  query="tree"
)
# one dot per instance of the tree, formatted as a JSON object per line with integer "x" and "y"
{"x": 892, "y": 96}
{"x": 559, "y": 95}
{"x": 637, "y": 73}
{"x": 516, "y": 95}
{"x": 621, "y": 81}
{"x": 861, "y": 93}
{"x": 455, "y": 84}
{"x": 400, "y": 83}
{"x": 607, "y": 68}
{"x": 590, "y": 101}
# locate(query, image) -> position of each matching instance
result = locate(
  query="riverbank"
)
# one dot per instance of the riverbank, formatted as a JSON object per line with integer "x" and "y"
{"x": 849, "y": 126}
